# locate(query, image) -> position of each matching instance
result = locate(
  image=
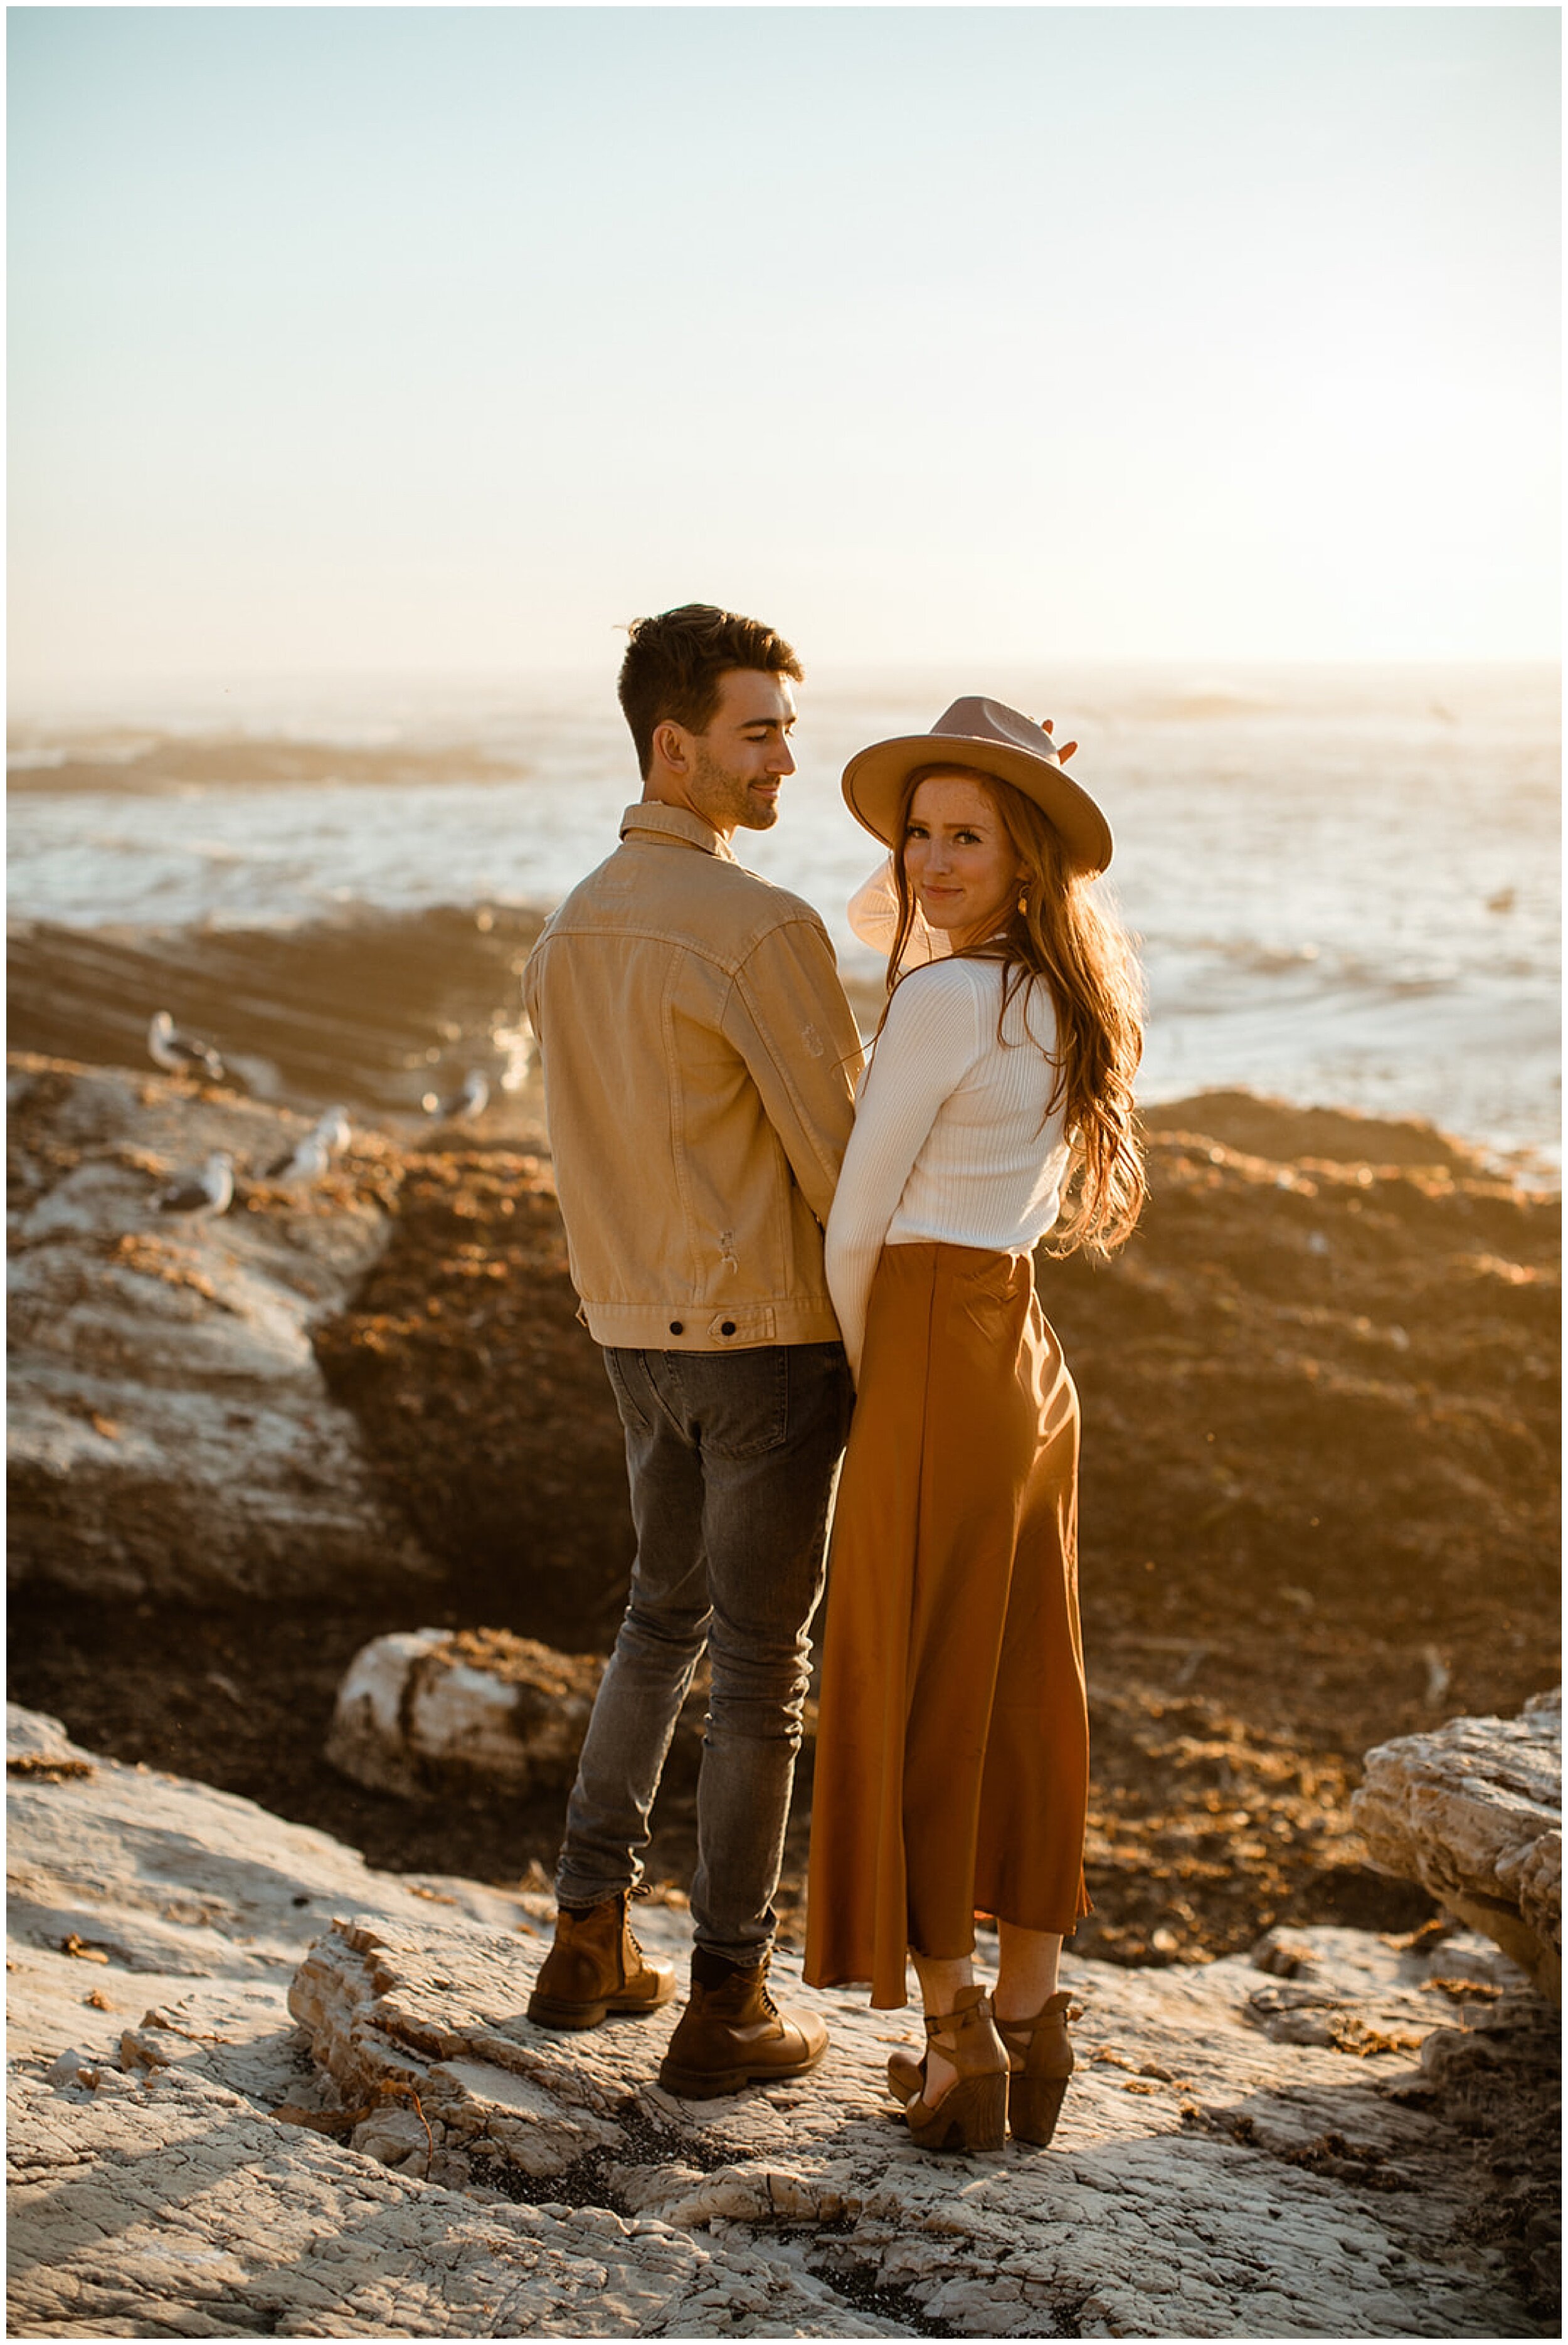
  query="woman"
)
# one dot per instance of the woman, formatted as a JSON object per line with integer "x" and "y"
{"x": 951, "y": 1770}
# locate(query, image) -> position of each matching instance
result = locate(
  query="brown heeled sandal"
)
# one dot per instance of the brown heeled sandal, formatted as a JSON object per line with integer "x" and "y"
{"x": 1041, "y": 2057}
{"x": 973, "y": 2112}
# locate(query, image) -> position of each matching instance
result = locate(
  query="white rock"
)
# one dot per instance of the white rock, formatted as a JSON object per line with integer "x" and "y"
{"x": 72, "y": 2068}
{"x": 192, "y": 1892}
{"x": 396, "y": 2137}
{"x": 1539, "y": 1884}
{"x": 1475, "y": 1813}
{"x": 170, "y": 2201}
{"x": 176, "y": 2209}
{"x": 1209, "y": 2179}
{"x": 426, "y": 1712}
{"x": 1209, "y": 2153}
{"x": 144, "y": 1357}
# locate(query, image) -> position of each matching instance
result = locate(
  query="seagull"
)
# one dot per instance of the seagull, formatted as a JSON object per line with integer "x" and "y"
{"x": 334, "y": 1130}
{"x": 304, "y": 1162}
{"x": 309, "y": 1158}
{"x": 471, "y": 1101}
{"x": 206, "y": 1194}
{"x": 181, "y": 1054}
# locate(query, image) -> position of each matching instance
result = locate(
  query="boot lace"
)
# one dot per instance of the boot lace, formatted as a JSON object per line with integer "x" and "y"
{"x": 764, "y": 1993}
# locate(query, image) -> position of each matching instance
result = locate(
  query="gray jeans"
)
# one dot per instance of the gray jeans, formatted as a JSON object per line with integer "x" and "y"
{"x": 731, "y": 1458}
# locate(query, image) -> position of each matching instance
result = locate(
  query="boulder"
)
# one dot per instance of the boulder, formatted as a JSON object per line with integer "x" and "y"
{"x": 428, "y": 1712}
{"x": 169, "y": 1427}
{"x": 1475, "y": 1813}
{"x": 431, "y": 1712}
{"x": 258, "y": 2087}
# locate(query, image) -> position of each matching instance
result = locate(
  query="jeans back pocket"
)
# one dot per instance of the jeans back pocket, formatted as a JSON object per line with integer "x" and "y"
{"x": 736, "y": 1403}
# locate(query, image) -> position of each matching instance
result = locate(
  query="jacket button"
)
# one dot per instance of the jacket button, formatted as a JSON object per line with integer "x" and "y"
{"x": 677, "y": 1327}
{"x": 727, "y": 1328}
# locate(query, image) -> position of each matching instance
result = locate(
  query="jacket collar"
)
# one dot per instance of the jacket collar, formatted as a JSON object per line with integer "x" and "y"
{"x": 650, "y": 818}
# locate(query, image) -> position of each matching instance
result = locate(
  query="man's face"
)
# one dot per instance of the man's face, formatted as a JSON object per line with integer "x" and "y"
{"x": 737, "y": 765}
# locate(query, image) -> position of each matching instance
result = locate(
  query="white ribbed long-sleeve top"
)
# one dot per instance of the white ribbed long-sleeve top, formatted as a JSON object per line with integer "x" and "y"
{"x": 951, "y": 1140}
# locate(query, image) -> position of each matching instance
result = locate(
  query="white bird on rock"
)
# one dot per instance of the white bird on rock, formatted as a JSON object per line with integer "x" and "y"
{"x": 181, "y": 1054}
{"x": 334, "y": 1130}
{"x": 304, "y": 1162}
{"x": 204, "y": 1194}
{"x": 467, "y": 1104}
{"x": 309, "y": 1158}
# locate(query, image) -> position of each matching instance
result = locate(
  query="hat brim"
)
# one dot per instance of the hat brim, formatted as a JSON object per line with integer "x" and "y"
{"x": 874, "y": 785}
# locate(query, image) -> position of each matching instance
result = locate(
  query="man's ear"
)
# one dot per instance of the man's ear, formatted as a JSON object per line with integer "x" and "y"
{"x": 670, "y": 742}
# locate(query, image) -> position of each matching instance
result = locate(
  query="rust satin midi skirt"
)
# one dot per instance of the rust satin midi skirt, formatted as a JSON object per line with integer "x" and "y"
{"x": 953, "y": 1742}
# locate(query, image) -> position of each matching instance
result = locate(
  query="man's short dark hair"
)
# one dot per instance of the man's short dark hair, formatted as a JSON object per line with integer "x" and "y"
{"x": 675, "y": 665}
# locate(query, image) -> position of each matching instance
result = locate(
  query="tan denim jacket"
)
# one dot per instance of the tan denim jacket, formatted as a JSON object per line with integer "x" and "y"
{"x": 699, "y": 1067}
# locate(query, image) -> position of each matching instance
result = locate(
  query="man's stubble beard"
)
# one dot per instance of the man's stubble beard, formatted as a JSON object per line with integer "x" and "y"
{"x": 719, "y": 792}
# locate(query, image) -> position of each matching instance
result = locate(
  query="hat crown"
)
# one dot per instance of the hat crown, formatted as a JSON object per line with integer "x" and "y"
{"x": 995, "y": 741}
{"x": 975, "y": 719}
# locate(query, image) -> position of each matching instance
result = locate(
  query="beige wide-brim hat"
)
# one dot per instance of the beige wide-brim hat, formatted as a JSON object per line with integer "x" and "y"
{"x": 987, "y": 738}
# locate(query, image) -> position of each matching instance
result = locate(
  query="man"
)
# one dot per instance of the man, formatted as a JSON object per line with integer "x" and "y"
{"x": 700, "y": 1063}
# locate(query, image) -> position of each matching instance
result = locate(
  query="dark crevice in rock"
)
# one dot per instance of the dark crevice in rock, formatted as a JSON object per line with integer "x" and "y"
{"x": 584, "y": 2183}
{"x": 591, "y": 2179}
{"x": 648, "y": 2143}
{"x": 858, "y": 2286}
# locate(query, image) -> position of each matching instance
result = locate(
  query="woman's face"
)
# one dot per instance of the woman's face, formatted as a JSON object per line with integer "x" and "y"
{"x": 962, "y": 866}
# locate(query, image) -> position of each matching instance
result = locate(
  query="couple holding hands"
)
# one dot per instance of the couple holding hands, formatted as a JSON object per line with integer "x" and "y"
{"x": 769, "y": 1236}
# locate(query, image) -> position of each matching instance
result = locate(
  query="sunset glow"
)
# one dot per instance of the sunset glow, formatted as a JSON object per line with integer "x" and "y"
{"x": 397, "y": 341}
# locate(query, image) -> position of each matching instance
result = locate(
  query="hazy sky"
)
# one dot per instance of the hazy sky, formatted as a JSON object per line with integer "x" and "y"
{"x": 443, "y": 339}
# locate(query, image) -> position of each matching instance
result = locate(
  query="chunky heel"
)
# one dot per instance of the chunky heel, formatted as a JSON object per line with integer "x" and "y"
{"x": 1033, "y": 2106}
{"x": 971, "y": 2116}
{"x": 1039, "y": 2054}
{"x": 973, "y": 2112}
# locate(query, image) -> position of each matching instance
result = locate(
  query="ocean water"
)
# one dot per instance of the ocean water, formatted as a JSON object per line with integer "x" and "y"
{"x": 1345, "y": 881}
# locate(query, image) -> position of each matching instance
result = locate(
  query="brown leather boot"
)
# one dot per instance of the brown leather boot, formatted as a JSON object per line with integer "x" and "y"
{"x": 734, "y": 2035}
{"x": 596, "y": 1967}
{"x": 1039, "y": 2056}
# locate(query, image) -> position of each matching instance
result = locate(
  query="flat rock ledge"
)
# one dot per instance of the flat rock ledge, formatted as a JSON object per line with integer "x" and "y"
{"x": 1475, "y": 1813}
{"x": 257, "y": 2089}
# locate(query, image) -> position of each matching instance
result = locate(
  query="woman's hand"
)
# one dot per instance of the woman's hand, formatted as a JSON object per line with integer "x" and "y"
{"x": 1065, "y": 751}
